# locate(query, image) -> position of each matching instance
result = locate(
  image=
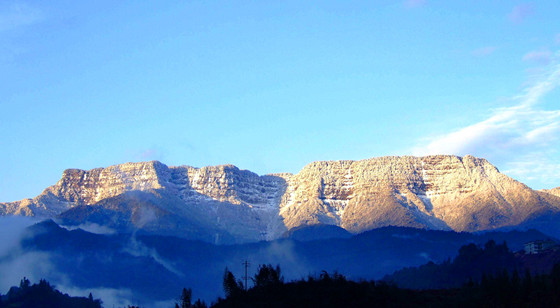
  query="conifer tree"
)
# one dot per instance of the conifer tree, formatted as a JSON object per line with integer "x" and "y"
{"x": 268, "y": 275}
{"x": 186, "y": 297}
{"x": 232, "y": 287}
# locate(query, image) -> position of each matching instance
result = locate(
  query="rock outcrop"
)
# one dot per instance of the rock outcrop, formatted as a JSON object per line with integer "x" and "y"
{"x": 226, "y": 204}
{"x": 553, "y": 191}
{"x": 438, "y": 192}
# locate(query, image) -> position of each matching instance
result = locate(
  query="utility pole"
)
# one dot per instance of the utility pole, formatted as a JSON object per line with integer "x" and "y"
{"x": 246, "y": 264}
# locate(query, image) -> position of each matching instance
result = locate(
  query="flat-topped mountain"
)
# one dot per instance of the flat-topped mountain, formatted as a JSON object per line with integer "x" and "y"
{"x": 225, "y": 204}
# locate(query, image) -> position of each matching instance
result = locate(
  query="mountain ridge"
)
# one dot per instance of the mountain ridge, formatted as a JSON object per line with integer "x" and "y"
{"x": 165, "y": 264}
{"x": 224, "y": 203}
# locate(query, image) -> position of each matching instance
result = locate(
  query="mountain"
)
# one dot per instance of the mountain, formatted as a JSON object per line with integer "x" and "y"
{"x": 317, "y": 232}
{"x": 155, "y": 268}
{"x": 553, "y": 191}
{"x": 223, "y": 204}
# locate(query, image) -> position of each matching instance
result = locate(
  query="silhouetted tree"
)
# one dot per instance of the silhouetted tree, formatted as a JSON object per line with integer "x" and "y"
{"x": 232, "y": 287}
{"x": 24, "y": 283}
{"x": 199, "y": 304}
{"x": 527, "y": 282}
{"x": 43, "y": 294}
{"x": 496, "y": 289}
{"x": 556, "y": 277}
{"x": 186, "y": 297}
{"x": 267, "y": 275}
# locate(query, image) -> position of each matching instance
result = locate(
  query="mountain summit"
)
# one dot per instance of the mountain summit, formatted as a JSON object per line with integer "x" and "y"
{"x": 224, "y": 204}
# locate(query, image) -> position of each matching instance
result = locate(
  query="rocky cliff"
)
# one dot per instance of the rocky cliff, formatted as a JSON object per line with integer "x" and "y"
{"x": 226, "y": 204}
{"x": 554, "y": 191}
{"x": 439, "y": 192}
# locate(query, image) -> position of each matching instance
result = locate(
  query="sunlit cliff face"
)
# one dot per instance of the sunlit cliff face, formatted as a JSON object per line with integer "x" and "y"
{"x": 225, "y": 204}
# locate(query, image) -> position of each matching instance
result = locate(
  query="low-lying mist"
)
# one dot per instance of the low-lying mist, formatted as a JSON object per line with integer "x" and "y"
{"x": 151, "y": 271}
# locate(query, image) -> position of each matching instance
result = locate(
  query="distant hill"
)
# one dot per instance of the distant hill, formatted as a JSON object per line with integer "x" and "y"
{"x": 471, "y": 264}
{"x": 316, "y": 232}
{"x": 158, "y": 267}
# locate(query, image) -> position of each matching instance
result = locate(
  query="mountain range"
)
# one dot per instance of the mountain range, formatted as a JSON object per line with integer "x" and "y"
{"x": 223, "y": 204}
{"x": 151, "y": 268}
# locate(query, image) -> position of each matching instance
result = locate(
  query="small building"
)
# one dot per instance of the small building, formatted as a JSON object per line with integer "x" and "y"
{"x": 536, "y": 247}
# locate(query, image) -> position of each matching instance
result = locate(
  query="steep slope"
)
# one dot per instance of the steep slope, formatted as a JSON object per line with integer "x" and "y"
{"x": 553, "y": 191}
{"x": 437, "y": 192}
{"x": 224, "y": 204}
{"x": 219, "y": 204}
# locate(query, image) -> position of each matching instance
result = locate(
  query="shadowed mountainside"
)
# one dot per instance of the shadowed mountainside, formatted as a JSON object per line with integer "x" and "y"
{"x": 158, "y": 267}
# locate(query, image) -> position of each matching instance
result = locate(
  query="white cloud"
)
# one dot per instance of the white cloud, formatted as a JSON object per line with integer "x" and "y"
{"x": 91, "y": 228}
{"x": 13, "y": 229}
{"x": 15, "y": 263}
{"x": 513, "y": 137}
{"x": 137, "y": 249}
{"x": 536, "y": 167}
{"x": 508, "y": 128}
{"x": 19, "y": 264}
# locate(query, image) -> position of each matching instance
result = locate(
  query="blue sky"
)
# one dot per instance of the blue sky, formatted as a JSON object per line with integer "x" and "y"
{"x": 273, "y": 85}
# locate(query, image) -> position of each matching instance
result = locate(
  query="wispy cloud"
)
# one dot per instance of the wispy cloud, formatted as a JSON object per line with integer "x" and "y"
{"x": 16, "y": 262}
{"x": 536, "y": 167}
{"x": 138, "y": 249}
{"x": 91, "y": 228}
{"x": 541, "y": 57}
{"x": 505, "y": 131}
{"x": 512, "y": 136}
{"x": 409, "y": 4}
{"x": 15, "y": 15}
{"x": 483, "y": 51}
{"x": 557, "y": 38}
{"x": 520, "y": 12}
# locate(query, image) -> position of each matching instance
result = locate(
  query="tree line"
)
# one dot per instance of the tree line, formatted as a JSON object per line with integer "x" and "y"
{"x": 44, "y": 295}
{"x": 503, "y": 289}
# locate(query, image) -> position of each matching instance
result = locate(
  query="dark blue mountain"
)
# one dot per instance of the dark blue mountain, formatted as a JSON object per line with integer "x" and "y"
{"x": 158, "y": 267}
